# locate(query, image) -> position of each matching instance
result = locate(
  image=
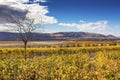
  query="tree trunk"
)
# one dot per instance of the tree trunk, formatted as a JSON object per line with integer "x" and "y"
{"x": 25, "y": 50}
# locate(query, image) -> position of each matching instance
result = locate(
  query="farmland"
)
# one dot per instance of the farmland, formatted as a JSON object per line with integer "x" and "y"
{"x": 57, "y": 43}
{"x": 60, "y": 60}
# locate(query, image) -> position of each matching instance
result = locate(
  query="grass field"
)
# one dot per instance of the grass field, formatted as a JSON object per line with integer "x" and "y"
{"x": 60, "y": 63}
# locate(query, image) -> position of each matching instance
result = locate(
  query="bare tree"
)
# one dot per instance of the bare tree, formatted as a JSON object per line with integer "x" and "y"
{"x": 24, "y": 25}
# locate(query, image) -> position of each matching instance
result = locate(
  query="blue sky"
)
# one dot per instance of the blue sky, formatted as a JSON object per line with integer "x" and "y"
{"x": 96, "y": 16}
{"x": 75, "y": 11}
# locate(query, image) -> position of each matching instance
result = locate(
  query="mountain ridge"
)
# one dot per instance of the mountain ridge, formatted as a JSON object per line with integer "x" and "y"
{"x": 10, "y": 36}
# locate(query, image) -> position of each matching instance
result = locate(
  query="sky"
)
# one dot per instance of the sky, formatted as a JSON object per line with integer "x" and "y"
{"x": 96, "y": 16}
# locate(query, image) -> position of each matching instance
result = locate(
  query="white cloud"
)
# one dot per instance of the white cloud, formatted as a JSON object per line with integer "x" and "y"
{"x": 40, "y": 12}
{"x": 81, "y": 21}
{"x": 36, "y": 11}
{"x": 3, "y": 28}
{"x": 41, "y": 1}
{"x": 90, "y": 26}
{"x": 20, "y": 1}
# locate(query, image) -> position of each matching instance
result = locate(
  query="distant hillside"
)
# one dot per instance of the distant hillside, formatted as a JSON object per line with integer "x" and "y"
{"x": 7, "y": 36}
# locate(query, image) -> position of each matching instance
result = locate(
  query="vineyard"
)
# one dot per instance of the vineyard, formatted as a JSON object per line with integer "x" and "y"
{"x": 61, "y": 63}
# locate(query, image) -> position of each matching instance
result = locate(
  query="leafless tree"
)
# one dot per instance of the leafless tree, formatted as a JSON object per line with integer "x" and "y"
{"x": 24, "y": 25}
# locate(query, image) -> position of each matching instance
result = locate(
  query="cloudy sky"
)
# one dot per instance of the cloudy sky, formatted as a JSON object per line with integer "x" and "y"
{"x": 99, "y": 16}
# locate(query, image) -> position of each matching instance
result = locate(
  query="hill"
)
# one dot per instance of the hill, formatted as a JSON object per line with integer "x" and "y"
{"x": 8, "y": 36}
